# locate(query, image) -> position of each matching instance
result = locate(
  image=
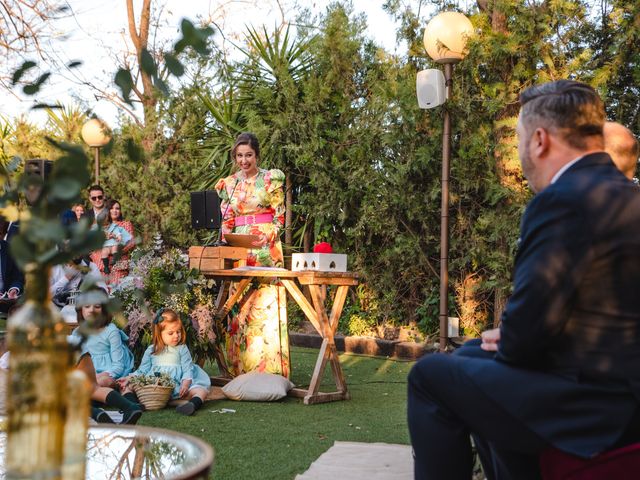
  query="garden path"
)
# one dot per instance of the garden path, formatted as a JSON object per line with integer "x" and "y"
{"x": 362, "y": 461}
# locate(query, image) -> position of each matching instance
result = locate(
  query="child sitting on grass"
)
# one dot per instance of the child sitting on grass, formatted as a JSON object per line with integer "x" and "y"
{"x": 108, "y": 345}
{"x": 169, "y": 354}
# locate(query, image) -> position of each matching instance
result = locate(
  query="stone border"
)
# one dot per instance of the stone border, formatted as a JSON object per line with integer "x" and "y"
{"x": 365, "y": 346}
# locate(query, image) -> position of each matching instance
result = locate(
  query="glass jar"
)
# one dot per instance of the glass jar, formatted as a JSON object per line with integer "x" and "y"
{"x": 39, "y": 362}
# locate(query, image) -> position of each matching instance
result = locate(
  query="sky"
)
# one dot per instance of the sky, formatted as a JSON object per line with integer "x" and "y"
{"x": 96, "y": 33}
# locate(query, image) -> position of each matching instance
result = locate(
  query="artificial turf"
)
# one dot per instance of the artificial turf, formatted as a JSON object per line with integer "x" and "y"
{"x": 278, "y": 440}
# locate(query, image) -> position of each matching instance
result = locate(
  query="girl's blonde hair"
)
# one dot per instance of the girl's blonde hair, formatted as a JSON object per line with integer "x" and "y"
{"x": 164, "y": 317}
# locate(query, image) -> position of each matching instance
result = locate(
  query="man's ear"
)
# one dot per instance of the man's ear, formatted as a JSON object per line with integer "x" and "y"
{"x": 540, "y": 142}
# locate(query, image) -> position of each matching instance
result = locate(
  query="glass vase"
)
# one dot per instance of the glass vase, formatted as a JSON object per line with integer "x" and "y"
{"x": 75, "y": 430}
{"x": 39, "y": 362}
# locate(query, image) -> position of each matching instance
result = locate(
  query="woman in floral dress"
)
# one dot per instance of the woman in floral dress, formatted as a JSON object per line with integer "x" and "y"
{"x": 121, "y": 268}
{"x": 253, "y": 203}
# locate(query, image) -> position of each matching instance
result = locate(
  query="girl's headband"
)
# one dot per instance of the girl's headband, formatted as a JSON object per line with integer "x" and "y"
{"x": 158, "y": 317}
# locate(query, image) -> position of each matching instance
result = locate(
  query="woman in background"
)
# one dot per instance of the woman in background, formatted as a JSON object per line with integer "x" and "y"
{"x": 252, "y": 202}
{"x": 120, "y": 268}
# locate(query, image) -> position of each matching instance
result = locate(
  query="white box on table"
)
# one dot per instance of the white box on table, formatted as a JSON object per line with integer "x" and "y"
{"x": 319, "y": 262}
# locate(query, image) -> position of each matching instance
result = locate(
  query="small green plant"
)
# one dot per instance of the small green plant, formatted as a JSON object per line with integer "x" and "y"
{"x": 158, "y": 378}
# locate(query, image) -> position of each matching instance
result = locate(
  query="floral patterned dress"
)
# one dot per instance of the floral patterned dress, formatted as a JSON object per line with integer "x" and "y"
{"x": 121, "y": 268}
{"x": 257, "y": 337}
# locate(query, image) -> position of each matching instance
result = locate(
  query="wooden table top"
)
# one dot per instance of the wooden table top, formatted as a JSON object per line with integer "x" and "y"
{"x": 307, "y": 277}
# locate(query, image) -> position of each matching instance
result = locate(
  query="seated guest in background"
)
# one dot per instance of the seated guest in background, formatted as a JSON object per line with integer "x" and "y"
{"x": 73, "y": 215}
{"x": 565, "y": 369}
{"x": 97, "y": 213}
{"x": 67, "y": 278}
{"x": 11, "y": 278}
{"x": 78, "y": 209}
{"x": 622, "y": 145}
{"x": 115, "y": 221}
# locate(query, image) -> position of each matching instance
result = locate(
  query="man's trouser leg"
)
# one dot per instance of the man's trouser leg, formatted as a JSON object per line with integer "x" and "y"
{"x": 445, "y": 406}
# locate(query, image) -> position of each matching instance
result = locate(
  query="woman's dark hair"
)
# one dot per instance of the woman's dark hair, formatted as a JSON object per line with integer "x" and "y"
{"x": 246, "y": 138}
{"x": 109, "y": 206}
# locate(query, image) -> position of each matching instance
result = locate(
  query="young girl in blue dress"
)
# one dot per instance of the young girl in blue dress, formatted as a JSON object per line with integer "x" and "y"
{"x": 115, "y": 360}
{"x": 111, "y": 356}
{"x": 169, "y": 354}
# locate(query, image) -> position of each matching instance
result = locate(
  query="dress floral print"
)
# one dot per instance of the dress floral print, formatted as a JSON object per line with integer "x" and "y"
{"x": 257, "y": 335}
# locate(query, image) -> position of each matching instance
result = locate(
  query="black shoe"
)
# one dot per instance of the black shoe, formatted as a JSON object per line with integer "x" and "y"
{"x": 103, "y": 417}
{"x": 186, "y": 408}
{"x": 131, "y": 417}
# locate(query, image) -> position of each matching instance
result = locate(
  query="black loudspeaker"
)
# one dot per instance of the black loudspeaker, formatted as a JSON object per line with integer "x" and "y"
{"x": 39, "y": 167}
{"x": 205, "y": 210}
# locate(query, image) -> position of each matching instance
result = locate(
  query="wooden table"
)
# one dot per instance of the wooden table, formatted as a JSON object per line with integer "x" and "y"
{"x": 324, "y": 322}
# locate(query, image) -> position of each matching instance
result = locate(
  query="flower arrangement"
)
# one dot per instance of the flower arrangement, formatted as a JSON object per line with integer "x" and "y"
{"x": 163, "y": 279}
{"x": 161, "y": 379}
{"x": 153, "y": 391}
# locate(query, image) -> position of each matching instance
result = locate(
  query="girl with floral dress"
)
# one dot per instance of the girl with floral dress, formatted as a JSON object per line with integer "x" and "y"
{"x": 253, "y": 203}
{"x": 169, "y": 354}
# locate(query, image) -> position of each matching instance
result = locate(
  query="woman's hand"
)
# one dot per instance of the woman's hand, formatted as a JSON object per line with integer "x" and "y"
{"x": 184, "y": 387}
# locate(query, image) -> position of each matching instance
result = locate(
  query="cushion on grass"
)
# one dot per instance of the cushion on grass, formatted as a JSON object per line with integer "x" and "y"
{"x": 257, "y": 387}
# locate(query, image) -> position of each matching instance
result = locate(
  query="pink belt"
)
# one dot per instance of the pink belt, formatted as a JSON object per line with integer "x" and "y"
{"x": 251, "y": 219}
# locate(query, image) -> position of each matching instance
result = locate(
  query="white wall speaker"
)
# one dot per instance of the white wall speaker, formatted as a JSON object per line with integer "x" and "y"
{"x": 430, "y": 88}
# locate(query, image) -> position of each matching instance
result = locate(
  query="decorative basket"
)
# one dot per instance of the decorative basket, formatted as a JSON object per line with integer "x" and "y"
{"x": 153, "y": 397}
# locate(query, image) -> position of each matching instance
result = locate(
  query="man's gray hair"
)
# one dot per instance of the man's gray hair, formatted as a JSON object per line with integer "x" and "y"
{"x": 570, "y": 109}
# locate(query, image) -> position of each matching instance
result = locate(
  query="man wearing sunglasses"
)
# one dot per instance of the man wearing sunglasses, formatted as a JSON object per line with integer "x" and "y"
{"x": 98, "y": 212}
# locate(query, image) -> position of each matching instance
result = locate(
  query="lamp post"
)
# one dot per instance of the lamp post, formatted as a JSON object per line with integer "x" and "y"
{"x": 445, "y": 38}
{"x": 95, "y": 133}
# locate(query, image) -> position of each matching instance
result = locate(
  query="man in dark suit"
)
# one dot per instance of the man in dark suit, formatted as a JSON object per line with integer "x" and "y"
{"x": 97, "y": 213}
{"x": 563, "y": 369}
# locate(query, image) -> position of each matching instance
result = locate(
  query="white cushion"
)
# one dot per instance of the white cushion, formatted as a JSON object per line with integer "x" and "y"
{"x": 257, "y": 387}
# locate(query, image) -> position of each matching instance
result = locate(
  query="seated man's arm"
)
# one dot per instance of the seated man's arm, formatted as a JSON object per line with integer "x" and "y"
{"x": 554, "y": 253}
{"x": 13, "y": 278}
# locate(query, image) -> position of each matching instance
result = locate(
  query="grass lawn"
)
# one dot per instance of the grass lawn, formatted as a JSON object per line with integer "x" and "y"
{"x": 277, "y": 440}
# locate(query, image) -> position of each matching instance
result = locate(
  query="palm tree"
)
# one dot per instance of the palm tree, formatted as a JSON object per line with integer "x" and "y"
{"x": 262, "y": 89}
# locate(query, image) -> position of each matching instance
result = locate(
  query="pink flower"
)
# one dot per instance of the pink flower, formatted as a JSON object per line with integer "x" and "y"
{"x": 203, "y": 322}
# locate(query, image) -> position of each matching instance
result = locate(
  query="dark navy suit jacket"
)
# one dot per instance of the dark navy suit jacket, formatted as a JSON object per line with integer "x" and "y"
{"x": 569, "y": 354}
{"x": 11, "y": 274}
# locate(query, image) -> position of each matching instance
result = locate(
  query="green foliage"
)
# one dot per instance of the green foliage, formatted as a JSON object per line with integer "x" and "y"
{"x": 159, "y": 378}
{"x": 339, "y": 116}
{"x": 42, "y": 240}
{"x": 192, "y": 36}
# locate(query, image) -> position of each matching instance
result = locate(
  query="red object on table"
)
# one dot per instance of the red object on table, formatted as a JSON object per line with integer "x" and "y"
{"x": 322, "y": 247}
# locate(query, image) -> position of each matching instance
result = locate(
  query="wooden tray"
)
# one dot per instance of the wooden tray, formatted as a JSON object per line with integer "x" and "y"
{"x": 241, "y": 240}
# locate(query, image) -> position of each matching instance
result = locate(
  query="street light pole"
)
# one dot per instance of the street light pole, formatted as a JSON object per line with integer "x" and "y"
{"x": 96, "y": 165}
{"x": 445, "y": 39}
{"x": 444, "y": 213}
